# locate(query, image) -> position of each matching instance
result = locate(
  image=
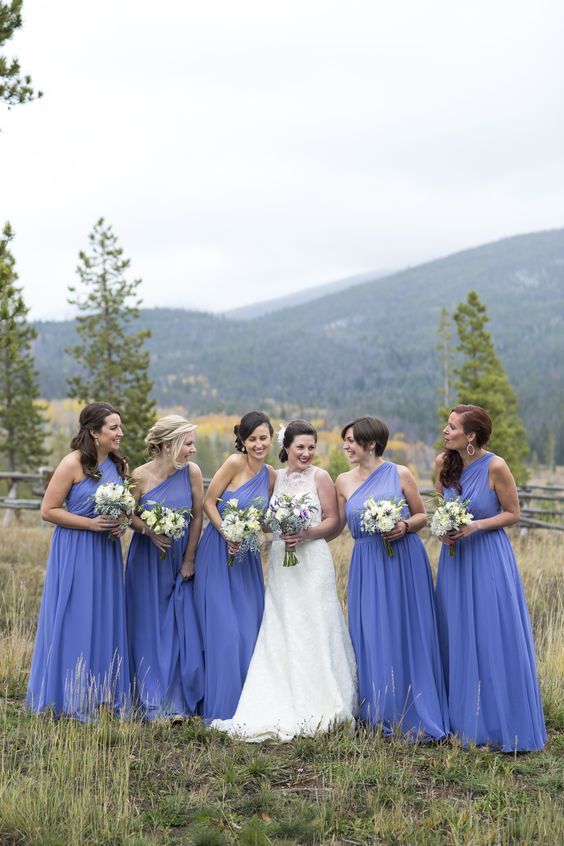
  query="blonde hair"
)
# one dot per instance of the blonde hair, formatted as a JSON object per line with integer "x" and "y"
{"x": 172, "y": 430}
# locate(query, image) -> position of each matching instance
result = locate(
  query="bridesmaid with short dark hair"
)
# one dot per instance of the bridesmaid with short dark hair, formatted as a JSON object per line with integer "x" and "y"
{"x": 484, "y": 627}
{"x": 230, "y": 600}
{"x": 391, "y": 601}
{"x": 80, "y": 657}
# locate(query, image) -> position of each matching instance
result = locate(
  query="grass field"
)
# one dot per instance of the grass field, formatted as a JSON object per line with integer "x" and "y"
{"x": 113, "y": 783}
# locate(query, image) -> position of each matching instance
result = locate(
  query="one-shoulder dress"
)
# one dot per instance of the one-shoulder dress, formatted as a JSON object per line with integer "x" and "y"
{"x": 393, "y": 623}
{"x": 80, "y": 656}
{"x": 485, "y": 631}
{"x": 229, "y": 604}
{"x": 165, "y": 646}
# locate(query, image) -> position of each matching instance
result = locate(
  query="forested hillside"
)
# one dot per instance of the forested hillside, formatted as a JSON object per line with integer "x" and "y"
{"x": 369, "y": 348}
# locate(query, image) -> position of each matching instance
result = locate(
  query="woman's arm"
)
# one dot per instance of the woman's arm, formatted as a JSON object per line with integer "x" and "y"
{"x": 418, "y": 515}
{"x": 341, "y": 512}
{"x": 142, "y": 482}
{"x": 68, "y": 473}
{"x": 196, "y": 481}
{"x": 503, "y": 483}
{"x": 218, "y": 485}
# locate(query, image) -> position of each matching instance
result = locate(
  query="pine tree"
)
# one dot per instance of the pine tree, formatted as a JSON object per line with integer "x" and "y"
{"x": 115, "y": 365}
{"x": 14, "y": 88}
{"x": 481, "y": 380}
{"x": 21, "y": 421}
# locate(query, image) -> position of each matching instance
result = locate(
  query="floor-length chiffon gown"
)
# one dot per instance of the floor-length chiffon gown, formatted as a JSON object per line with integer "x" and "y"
{"x": 302, "y": 677}
{"x": 80, "y": 656}
{"x": 165, "y": 647}
{"x": 229, "y": 604}
{"x": 485, "y": 631}
{"x": 393, "y": 623}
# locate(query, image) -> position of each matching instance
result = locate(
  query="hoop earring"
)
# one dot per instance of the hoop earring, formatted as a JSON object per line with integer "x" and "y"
{"x": 470, "y": 449}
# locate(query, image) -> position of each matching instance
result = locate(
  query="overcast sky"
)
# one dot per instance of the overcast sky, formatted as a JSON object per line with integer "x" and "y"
{"x": 245, "y": 149}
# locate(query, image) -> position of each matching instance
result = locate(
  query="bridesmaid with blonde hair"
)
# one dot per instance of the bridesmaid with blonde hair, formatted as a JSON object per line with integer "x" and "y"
{"x": 164, "y": 639}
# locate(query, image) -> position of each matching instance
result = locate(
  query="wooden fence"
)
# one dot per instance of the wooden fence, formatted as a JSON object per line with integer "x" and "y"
{"x": 542, "y": 506}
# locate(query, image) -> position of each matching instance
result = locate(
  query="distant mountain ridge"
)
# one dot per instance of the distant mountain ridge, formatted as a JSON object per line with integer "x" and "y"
{"x": 299, "y": 297}
{"x": 367, "y": 349}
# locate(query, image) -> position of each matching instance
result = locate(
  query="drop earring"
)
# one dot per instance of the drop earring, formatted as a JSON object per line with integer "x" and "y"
{"x": 470, "y": 449}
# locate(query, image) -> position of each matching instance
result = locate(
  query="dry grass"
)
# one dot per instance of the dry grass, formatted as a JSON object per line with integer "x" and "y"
{"x": 120, "y": 782}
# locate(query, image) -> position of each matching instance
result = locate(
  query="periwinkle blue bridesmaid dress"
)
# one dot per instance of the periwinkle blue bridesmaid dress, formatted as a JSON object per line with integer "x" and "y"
{"x": 393, "y": 624}
{"x": 80, "y": 657}
{"x": 165, "y": 647}
{"x": 229, "y": 603}
{"x": 485, "y": 631}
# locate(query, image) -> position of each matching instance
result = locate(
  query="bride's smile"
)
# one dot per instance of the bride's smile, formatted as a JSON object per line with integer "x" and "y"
{"x": 300, "y": 453}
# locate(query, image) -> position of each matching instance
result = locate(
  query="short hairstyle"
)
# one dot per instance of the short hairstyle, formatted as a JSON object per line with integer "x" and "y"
{"x": 247, "y": 425}
{"x": 292, "y": 431}
{"x": 368, "y": 430}
{"x": 171, "y": 429}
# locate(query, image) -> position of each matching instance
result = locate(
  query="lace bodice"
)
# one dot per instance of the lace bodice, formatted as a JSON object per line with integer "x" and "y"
{"x": 298, "y": 483}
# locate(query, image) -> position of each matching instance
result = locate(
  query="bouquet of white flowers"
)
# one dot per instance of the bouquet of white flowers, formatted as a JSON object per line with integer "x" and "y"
{"x": 242, "y": 526}
{"x": 450, "y": 515}
{"x": 162, "y": 520}
{"x": 289, "y": 515}
{"x": 115, "y": 500}
{"x": 381, "y": 515}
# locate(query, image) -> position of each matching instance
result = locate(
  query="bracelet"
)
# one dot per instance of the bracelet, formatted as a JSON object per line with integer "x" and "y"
{"x": 143, "y": 530}
{"x": 406, "y": 524}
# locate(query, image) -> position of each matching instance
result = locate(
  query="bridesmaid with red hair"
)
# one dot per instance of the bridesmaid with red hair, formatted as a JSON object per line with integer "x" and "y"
{"x": 484, "y": 628}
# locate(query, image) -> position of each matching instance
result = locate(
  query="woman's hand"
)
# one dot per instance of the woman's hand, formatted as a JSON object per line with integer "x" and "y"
{"x": 102, "y": 523}
{"x": 292, "y": 541}
{"x": 448, "y": 540}
{"x": 121, "y": 530}
{"x": 399, "y": 531}
{"x": 232, "y": 547}
{"x": 187, "y": 570}
{"x": 162, "y": 543}
{"x": 466, "y": 531}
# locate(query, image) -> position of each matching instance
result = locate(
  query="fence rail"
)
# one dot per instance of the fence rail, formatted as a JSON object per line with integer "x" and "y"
{"x": 531, "y": 517}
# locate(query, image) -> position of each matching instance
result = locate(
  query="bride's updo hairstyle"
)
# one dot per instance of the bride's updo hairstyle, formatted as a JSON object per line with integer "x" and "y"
{"x": 91, "y": 420}
{"x": 368, "y": 431}
{"x": 293, "y": 429}
{"x": 172, "y": 430}
{"x": 247, "y": 425}
{"x": 473, "y": 419}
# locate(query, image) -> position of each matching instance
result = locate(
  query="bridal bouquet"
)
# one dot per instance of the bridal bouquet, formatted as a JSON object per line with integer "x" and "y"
{"x": 381, "y": 515}
{"x": 115, "y": 500}
{"x": 242, "y": 525}
{"x": 450, "y": 515}
{"x": 289, "y": 515}
{"x": 162, "y": 520}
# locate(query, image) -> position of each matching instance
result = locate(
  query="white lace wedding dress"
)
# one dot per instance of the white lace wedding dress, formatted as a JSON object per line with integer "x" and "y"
{"x": 302, "y": 676}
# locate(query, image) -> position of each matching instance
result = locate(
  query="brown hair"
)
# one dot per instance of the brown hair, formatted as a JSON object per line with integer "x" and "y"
{"x": 92, "y": 418}
{"x": 292, "y": 431}
{"x": 247, "y": 425}
{"x": 474, "y": 419}
{"x": 368, "y": 430}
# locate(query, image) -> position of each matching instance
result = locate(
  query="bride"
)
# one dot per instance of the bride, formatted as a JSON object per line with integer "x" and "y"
{"x": 302, "y": 676}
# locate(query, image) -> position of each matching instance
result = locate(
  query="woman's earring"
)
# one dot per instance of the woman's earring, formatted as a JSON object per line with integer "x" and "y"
{"x": 470, "y": 449}
{"x": 243, "y": 449}
{"x": 97, "y": 442}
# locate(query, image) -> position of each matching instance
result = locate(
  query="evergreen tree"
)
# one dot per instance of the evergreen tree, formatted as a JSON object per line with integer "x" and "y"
{"x": 446, "y": 353}
{"x": 337, "y": 462}
{"x": 481, "y": 380}
{"x": 115, "y": 365}
{"x": 21, "y": 422}
{"x": 14, "y": 88}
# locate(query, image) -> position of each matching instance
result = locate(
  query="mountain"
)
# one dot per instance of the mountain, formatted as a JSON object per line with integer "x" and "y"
{"x": 368, "y": 349}
{"x": 297, "y": 298}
